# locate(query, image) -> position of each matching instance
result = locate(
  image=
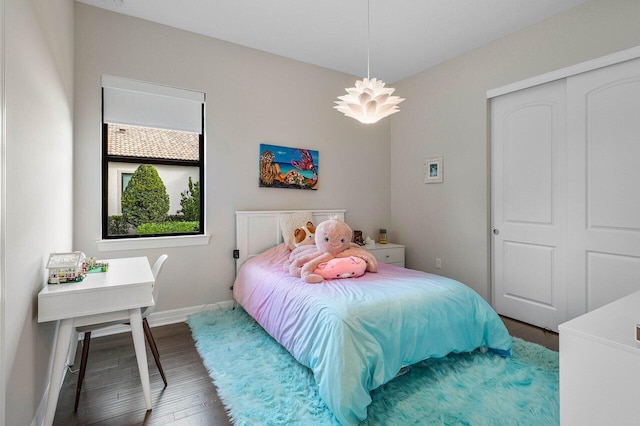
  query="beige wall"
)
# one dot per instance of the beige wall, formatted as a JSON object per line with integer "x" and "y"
{"x": 252, "y": 97}
{"x": 38, "y": 71}
{"x": 445, "y": 114}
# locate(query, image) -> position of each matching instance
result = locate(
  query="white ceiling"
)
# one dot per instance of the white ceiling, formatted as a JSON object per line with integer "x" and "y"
{"x": 407, "y": 36}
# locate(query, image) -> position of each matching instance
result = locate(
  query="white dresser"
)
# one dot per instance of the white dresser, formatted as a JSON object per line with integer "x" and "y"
{"x": 600, "y": 366}
{"x": 388, "y": 253}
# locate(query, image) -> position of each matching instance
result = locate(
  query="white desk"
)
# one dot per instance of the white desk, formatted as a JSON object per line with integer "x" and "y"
{"x": 116, "y": 294}
{"x": 600, "y": 366}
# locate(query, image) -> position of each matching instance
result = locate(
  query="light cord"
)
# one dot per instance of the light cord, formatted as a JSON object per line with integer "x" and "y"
{"x": 368, "y": 36}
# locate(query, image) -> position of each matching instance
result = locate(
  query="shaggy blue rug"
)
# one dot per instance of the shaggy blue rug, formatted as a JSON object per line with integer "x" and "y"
{"x": 260, "y": 383}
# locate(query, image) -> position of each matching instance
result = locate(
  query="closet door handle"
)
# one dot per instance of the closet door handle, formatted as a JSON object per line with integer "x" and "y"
{"x": 496, "y": 231}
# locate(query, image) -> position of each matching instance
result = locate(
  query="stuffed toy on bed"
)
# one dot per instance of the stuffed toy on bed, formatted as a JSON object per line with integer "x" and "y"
{"x": 341, "y": 267}
{"x": 333, "y": 240}
{"x": 305, "y": 235}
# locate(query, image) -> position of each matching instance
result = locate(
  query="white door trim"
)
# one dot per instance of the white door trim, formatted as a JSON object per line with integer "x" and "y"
{"x": 582, "y": 67}
{"x": 3, "y": 133}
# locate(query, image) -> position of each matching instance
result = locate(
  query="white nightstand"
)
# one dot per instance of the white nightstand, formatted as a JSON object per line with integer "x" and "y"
{"x": 388, "y": 253}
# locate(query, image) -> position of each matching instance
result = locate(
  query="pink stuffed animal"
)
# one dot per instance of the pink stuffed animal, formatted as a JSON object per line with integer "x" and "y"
{"x": 333, "y": 240}
{"x": 341, "y": 267}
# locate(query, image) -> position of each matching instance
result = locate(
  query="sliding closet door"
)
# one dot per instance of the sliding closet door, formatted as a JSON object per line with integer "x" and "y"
{"x": 604, "y": 185}
{"x": 528, "y": 204}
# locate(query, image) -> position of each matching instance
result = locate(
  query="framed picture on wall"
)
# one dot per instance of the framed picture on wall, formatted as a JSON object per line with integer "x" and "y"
{"x": 285, "y": 167}
{"x": 433, "y": 171}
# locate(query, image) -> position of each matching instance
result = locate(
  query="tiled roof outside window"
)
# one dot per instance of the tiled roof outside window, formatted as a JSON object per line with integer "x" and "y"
{"x": 132, "y": 141}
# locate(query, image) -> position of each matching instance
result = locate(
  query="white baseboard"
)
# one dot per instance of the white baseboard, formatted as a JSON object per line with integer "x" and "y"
{"x": 38, "y": 419}
{"x": 155, "y": 319}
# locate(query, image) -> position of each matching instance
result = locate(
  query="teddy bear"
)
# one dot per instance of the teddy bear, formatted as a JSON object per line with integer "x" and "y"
{"x": 333, "y": 240}
{"x": 304, "y": 235}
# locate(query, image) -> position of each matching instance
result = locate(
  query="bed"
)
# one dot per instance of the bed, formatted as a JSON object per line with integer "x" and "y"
{"x": 356, "y": 334}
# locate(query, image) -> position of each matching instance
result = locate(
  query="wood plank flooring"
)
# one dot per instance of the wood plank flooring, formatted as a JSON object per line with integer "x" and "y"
{"x": 528, "y": 332}
{"x": 112, "y": 394}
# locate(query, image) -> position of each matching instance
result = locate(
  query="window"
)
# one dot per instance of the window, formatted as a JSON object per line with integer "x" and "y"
{"x": 125, "y": 178}
{"x": 153, "y": 160}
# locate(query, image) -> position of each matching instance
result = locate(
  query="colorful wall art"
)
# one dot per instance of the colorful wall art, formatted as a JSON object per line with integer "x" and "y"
{"x": 284, "y": 167}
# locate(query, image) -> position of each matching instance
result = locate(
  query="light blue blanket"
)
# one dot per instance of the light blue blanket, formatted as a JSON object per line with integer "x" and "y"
{"x": 355, "y": 334}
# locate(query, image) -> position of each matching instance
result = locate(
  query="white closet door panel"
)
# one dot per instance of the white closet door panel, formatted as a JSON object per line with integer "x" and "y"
{"x": 528, "y": 160}
{"x": 528, "y": 208}
{"x": 529, "y": 272}
{"x": 602, "y": 268}
{"x": 603, "y": 134}
{"x": 613, "y": 155}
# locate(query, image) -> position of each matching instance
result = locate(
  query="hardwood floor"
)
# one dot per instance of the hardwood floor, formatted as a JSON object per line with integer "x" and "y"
{"x": 112, "y": 394}
{"x": 530, "y": 333}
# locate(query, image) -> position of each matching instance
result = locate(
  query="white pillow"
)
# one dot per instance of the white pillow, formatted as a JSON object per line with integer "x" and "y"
{"x": 289, "y": 222}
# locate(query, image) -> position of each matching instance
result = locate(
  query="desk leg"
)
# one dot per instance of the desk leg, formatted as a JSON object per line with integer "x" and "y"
{"x": 73, "y": 347}
{"x": 59, "y": 364}
{"x": 135, "y": 319}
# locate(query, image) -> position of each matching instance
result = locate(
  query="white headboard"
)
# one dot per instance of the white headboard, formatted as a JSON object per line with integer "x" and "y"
{"x": 258, "y": 230}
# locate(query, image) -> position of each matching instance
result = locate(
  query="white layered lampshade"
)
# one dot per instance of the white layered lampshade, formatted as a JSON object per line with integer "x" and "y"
{"x": 369, "y": 101}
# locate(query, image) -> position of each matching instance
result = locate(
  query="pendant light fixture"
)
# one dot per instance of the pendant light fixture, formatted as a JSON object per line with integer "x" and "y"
{"x": 369, "y": 101}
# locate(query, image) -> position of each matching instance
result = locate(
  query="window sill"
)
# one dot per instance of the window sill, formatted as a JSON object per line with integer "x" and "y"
{"x": 153, "y": 242}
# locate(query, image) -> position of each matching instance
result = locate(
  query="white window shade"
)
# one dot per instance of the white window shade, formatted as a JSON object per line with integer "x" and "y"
{"x": 137, "y": 103}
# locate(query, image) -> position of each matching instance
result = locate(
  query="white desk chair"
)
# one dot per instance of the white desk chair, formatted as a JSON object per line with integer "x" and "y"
{"x": 157, "y": 267}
